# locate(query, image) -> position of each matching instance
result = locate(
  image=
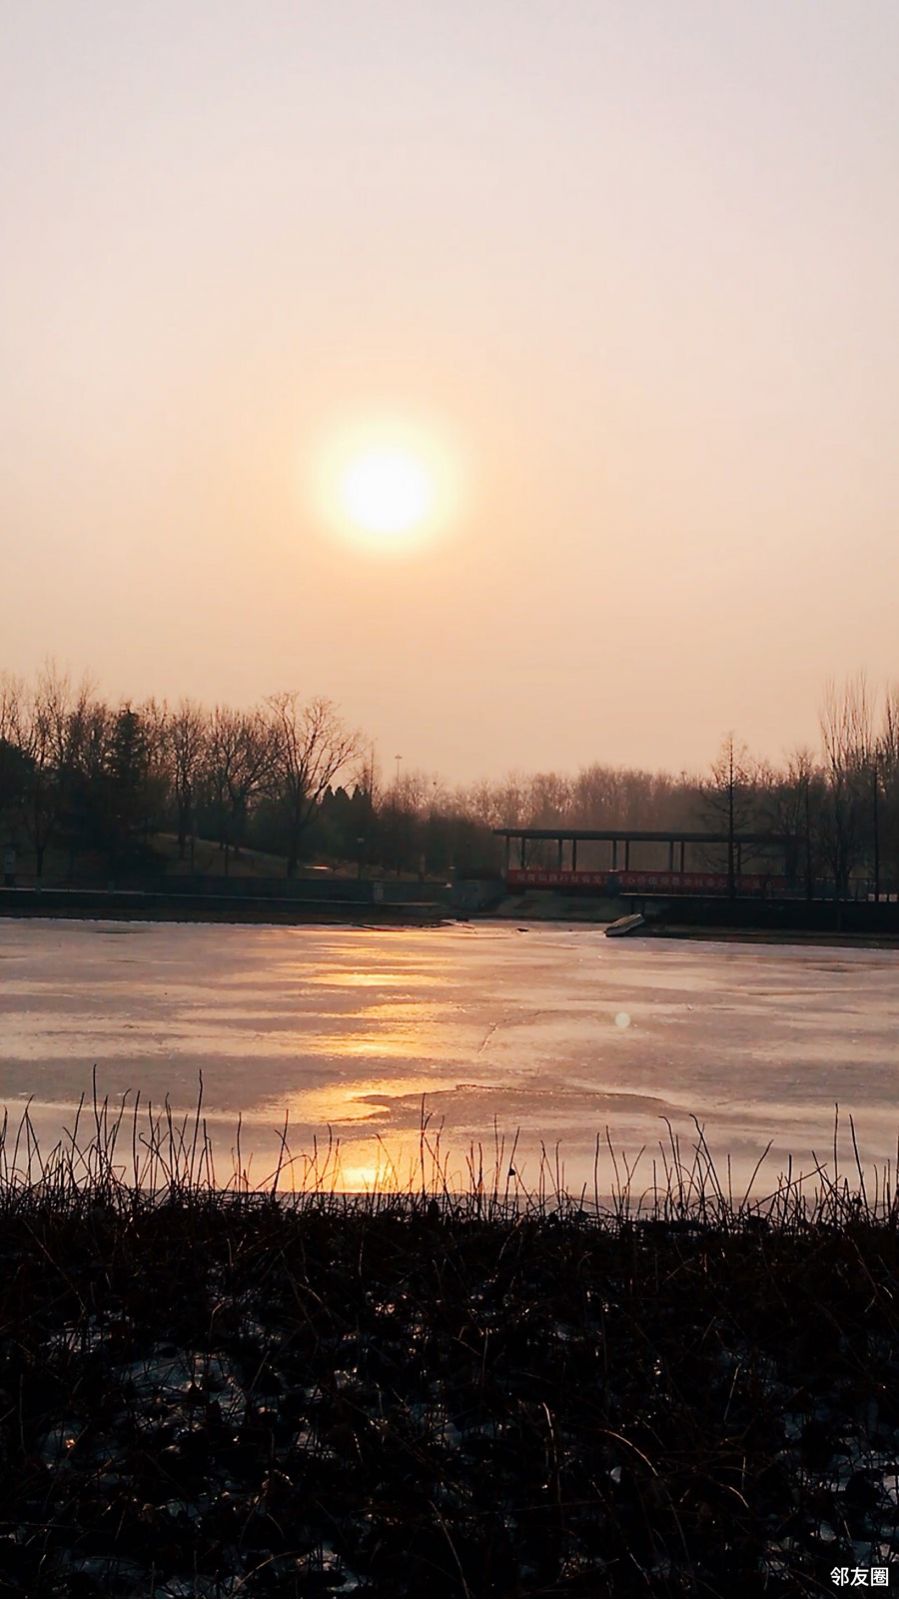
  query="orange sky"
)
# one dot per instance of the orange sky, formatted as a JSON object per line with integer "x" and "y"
{"x": 632, "y": 266}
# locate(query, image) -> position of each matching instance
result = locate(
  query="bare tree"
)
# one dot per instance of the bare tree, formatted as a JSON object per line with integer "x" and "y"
{"x": 888, "y": 773}
{"x": 12, "y": 764}
{"x": 239, "y": 762}
{"x": 729, "y": 797}
{"x": 45, "y": 723}
{"x": 791, "y": 804}
{"x": 848, "y": 738}
{"x": 495, "y": 805}
{"x": 595, "y": 797}
{"x": 310, "y": 746}
{"x": 187, "y": 732}
{"x": 154, "y": 721}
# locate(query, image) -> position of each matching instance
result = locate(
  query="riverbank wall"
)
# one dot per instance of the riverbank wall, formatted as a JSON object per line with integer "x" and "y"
{"x": 242, "y": 905}
{"x": 694, "y": 915}
{"x": 773, "y": 916}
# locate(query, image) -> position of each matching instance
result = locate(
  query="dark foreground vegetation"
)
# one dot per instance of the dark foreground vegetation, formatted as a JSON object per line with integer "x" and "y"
{"x": 224, "y": 1393}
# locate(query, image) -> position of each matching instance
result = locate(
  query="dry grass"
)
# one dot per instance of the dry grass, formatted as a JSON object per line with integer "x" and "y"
{"x": 209, "y": 857}
{"x": 208, "y": 1390}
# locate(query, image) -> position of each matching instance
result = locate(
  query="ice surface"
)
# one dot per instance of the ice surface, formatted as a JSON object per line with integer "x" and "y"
{"x": 351, "y": 1027}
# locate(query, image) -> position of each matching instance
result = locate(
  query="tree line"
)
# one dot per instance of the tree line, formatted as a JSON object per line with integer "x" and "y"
{"x": 80, "y": 774}
{"x": 831, "y": 814}
{"x": 85, "y": 778}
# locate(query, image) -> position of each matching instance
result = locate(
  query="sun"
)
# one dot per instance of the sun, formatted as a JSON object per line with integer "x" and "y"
{"x": 386, "y": 491}
{"x": 389, "y": 485}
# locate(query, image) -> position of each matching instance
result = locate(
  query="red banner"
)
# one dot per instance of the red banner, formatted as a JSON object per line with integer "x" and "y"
{"x": 642, "y": 882}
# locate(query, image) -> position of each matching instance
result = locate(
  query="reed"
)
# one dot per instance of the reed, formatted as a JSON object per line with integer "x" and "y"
{"x": 210, "y": 1386}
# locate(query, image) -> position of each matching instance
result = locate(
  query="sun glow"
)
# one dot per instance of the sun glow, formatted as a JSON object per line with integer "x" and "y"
{"x": 389, "y": 487}
{"x": 386, "y": 491}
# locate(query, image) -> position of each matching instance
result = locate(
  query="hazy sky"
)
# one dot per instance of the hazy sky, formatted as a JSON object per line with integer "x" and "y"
{"x": 632, "y": 266}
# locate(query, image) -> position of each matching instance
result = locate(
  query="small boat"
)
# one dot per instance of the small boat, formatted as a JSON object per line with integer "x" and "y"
{"x": 617, "y": 930}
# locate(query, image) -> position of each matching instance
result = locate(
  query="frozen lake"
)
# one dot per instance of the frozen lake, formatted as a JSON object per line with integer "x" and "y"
{"x": 556, "y": 1032}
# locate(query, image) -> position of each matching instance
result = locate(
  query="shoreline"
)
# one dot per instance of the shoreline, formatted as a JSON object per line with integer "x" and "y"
{"x": 707, "y": 934}
{"x": 875, "y": 941}
{"x": 132, "y": 905}
{"x": 375, "y": 917}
